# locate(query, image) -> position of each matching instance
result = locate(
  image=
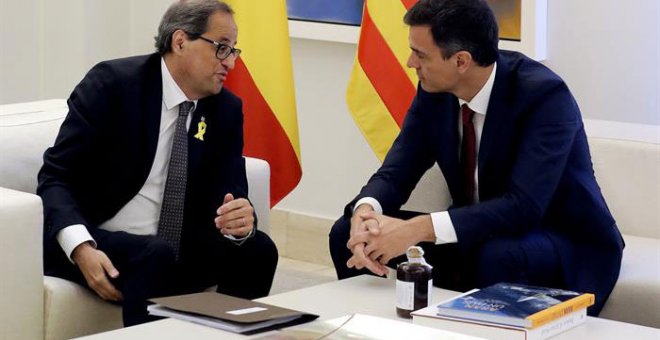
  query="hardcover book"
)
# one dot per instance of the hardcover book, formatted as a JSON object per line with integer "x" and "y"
{"x": 429, "y": 317}
{"x": 515, "y": 305}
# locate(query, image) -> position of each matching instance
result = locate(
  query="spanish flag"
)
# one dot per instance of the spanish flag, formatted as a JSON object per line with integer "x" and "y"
{"x": 263, "y": 78}
{"x": 381, "y": 87}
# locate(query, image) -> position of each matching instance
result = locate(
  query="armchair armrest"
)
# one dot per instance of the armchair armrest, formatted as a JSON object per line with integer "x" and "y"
{"x": 258, "y": 177}
{"x": 21, "y": 286}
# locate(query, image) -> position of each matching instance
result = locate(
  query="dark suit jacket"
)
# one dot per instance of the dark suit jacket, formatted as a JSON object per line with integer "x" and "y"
{"x": 535, "y": 171}
{"x": 107, "y": 143}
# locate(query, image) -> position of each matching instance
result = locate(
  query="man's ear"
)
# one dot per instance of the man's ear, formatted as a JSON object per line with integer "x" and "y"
{"x": 179, "y": 40}
{"x": 463, "y": 61}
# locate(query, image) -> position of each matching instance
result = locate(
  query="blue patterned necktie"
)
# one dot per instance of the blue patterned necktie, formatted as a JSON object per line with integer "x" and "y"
{"x": 171, "y": 213}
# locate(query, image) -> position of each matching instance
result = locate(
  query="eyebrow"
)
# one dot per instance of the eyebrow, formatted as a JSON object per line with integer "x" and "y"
{"x": 226, "y": 41}
{"x": 417, "y": 51}
{"x": 223, "y": 39}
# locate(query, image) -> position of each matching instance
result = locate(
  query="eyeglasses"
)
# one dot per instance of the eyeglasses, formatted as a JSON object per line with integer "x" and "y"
{"x": 223, "y": 51}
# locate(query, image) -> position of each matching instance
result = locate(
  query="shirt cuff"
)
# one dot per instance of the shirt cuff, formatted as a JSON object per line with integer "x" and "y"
{"x": 443, "y": 228}
{"x": 71, "y": 237}
{"x": 240, "y": 241}
{"x": 371, "y": 201}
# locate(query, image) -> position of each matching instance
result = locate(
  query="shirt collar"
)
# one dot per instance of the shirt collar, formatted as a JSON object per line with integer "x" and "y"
{"x": 172, "y": 93}
{"x": 479, "y": 103}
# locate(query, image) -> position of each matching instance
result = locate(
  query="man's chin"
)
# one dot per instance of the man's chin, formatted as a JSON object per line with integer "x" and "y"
{"x": 428, "y": 88}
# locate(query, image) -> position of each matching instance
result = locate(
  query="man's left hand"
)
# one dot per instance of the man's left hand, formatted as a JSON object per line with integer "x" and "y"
{"x": 391, "y": 239}
{"x": 235, "y": 216}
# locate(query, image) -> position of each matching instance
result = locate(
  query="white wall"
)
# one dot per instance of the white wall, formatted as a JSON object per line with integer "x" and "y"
{"x": 20, "y": 50}
{"x": 607, "y": 51}
{"x": 336, "y": 159}
{"x": 46, "y": 46}
{"x": 609, "y": 54}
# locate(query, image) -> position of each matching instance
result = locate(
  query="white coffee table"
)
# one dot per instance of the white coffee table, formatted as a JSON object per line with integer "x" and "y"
{"x": 366, "y": 295}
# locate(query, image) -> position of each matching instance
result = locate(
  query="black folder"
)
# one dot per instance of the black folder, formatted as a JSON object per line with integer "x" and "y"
{"x": 227, "y": 312}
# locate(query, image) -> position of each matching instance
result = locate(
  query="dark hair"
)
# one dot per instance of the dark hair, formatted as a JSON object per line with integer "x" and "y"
{"x": 459, "y": 25}
{"x": 189, "y": 16}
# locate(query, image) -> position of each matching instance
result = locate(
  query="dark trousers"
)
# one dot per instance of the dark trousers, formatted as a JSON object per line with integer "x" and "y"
{"x": 147, "y": 269}
{"x": 531, "y": 259}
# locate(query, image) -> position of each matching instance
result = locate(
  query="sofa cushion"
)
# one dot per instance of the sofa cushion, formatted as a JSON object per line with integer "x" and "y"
{"x": 431, "y": 193}
{"x": 27, "y": 129}
{"x": 629, "y": 176}
{"x": 65, "y": 301}
{"x": 636, "y": 296}
{"x": 258, "y": 171}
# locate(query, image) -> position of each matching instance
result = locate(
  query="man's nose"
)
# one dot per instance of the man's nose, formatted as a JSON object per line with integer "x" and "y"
{"x": 412, "y": 61}
{"x": 230, "y": 62}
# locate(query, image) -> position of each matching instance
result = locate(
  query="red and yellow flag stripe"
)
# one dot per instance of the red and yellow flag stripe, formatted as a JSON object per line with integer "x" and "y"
{"x": 263, "y": 78}
{"x": 381, "y": 87}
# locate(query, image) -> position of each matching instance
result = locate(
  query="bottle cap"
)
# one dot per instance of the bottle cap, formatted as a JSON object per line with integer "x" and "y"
{"x": 415, "y": 252}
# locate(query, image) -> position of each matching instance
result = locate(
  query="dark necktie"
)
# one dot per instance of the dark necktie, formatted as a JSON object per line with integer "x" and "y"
{"x": 468, "y": 154}
{"x": 171, "y": 212}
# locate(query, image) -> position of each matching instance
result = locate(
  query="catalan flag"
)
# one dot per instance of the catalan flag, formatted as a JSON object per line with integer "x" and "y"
{"x": 263, "y": 78}
{"x": 381, "y": 87}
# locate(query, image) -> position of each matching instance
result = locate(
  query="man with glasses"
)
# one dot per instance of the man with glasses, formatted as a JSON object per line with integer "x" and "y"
{"x": 144, "y": 190}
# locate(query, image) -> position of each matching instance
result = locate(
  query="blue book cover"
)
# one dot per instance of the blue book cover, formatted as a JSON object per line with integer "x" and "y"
{"x": 514, "y": 304}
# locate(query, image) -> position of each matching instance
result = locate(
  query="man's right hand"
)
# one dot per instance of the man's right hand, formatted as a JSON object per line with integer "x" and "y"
{"x": 360, "y": 259}
{"x": 96, "y": 267}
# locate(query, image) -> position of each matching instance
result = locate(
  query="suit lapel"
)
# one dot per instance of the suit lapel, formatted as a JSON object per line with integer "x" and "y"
{"x": 498, "y": 127}
{"x": 198, "y": 148}
{"x": 196, "y": 145}
{"x": 151, "y": 106}
{"x": 448, "y": 140}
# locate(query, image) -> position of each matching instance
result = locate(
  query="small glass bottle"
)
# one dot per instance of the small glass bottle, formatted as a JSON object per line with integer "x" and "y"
{"x": 414, "y": 282}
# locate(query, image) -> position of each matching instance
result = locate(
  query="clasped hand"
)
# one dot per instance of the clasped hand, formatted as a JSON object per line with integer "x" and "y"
{"x": 235, "y": 216}
{"x": 375, "y": 240}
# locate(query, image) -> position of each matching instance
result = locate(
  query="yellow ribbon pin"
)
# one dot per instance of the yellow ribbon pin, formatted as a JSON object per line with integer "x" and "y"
{"x": 201, "y": 129}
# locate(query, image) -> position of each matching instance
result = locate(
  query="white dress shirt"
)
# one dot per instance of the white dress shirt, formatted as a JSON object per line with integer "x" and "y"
{"x": 442, "y": 225}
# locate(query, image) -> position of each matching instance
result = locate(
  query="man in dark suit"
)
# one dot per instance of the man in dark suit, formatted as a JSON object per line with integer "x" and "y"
{"x": 128, "y": 219}
{"x": 509, "y": 139}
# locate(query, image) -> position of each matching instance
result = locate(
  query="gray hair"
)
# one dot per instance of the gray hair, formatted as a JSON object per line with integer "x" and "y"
{"x": 189, "y": 16}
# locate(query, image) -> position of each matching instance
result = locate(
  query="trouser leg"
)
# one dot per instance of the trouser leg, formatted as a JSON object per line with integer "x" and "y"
{"x": 532, "y": 259}
{"x": 146, "y": 266}
{"x": 245, "y": 270}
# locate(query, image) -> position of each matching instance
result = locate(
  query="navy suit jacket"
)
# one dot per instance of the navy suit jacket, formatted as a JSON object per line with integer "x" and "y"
{"x": 535, "y": 171}
{"x": 107, "y": 143}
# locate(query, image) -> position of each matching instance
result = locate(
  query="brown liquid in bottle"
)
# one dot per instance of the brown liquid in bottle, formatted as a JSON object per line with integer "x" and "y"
{"x": 414, "y": 282}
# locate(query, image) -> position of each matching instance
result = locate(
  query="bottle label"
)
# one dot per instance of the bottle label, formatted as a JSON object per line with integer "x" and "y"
{"x": 405, "y": 294}
{"x": 428, "y": 295}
